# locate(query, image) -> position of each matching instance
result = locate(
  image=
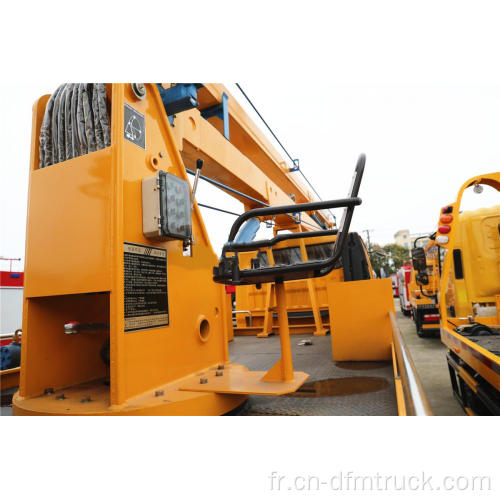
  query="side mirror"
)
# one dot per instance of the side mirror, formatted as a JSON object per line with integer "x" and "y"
{"x": 418, "y": 260}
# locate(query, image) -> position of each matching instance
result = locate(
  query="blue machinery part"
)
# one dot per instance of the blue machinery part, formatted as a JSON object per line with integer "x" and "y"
{"x": 184, "y": 96}
{"x": 180, "y": 97}
{"x": 10, "y": 356}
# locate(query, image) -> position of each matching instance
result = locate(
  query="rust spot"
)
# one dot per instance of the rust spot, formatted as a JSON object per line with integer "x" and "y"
{"x": 344, "y": 386}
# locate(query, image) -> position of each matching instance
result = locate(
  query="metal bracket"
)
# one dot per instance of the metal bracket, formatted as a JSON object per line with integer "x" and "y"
{"x": 179, "y": 98}
{"x": 296, "y": 165}
{"x": 220, "y": 110}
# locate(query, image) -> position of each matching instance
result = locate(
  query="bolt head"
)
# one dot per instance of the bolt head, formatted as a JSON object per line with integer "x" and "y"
{"x": 159, "y": 393}
{"x": 219, "y": 373}
{"x": 203, "y": 380}
{"x": 139, "y": 90}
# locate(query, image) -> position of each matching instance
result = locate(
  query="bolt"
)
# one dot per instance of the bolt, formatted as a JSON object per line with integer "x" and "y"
{"x": 220, "y": 367}
{"x": 49, "y": 390}
{"x": 203, "y": 380}
{"x": 60, "y": 396}
{"x": 159, "y": 393}
{"x": 219, "y": 373}
{"x": 161, "y": 154}
{"x": 86, "y": 399}
{"x": 139, "y": 90}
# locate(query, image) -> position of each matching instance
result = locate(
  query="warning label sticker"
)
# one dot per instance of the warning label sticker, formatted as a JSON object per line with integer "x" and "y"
{"x": 135, "y": 126}
{"x": 146, "y": 292}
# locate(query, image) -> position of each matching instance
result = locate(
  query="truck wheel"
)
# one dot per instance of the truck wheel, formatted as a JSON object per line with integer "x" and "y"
{"x": 418, "y": 324}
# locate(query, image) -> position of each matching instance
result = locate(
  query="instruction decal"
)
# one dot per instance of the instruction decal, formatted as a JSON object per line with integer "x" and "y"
{"x": 145, "y": 291}
{"x": 134, "y": 126}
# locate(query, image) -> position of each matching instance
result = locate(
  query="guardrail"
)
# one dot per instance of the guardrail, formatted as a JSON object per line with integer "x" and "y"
{"x": 409, "y": 390}
{"x": 245, "y": 312}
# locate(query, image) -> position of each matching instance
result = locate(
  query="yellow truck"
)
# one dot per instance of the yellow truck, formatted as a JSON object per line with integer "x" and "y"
{"x": 424, "y": 287}
{"x": 470, "y": 299}
{"x": 124, "y": 306}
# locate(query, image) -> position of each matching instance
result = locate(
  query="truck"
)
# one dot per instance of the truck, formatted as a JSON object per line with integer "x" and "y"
{"x": 404, "y": 279}
{"x": 423, "y": 288}
{"x": 125, "y": 310}
{"x": 469, "y": 298}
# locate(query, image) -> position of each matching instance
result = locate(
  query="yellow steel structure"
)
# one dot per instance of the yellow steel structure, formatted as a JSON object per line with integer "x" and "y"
{"x": 360, "y": 323}
{"x": 469, "y": 297}
{"x": 250, "y": 164}
{"x": 246, "y": 161}
{"x": 84, "y": 212}
{"x": 307, "y": 300}
{"x": 80, "y": 213}
{"x": 303, "y": 297}
{"x": 9, "y": 378}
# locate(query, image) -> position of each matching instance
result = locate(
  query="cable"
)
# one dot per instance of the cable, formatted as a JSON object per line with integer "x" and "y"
{"x": 265, "y": 123}
{"x": 239, "y": 193}
{"x": 227, "y": 188}
{"x": 75, "y": 123}
{"x": 279, "y": 142}
{"x": 218, "y": 209}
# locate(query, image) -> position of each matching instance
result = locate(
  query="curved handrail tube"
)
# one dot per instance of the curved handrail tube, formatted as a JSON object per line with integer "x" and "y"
{"x": 229, "y": 272}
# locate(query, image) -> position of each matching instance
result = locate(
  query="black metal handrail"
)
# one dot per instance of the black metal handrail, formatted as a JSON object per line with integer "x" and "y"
{"x": 229, "y": 272}
{"x": 255, "y": 245}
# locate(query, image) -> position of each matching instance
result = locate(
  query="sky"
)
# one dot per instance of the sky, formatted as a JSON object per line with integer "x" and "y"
{"x": 422, "y": 143}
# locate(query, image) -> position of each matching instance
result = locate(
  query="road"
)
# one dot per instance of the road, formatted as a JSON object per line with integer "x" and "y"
{"x": 429, "y": 356}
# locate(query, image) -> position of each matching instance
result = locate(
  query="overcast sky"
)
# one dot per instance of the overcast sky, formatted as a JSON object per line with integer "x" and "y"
{"x": 421, "y": 142}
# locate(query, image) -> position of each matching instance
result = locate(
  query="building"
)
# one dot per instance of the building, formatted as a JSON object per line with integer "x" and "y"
{"x": 405, "y": 239}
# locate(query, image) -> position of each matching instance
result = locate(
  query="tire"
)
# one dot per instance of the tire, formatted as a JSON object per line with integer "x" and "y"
{"x": 418, "y": 324}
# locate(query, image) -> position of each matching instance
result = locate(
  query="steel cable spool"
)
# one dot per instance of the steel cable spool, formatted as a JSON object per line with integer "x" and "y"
{"x": 76, "y": 122}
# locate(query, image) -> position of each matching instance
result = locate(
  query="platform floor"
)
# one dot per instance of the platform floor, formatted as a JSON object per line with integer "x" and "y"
{"x": 348, "y": 381}
{"x": 429, "y": 356}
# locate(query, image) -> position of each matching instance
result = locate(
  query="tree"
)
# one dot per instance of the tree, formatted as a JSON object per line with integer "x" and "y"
{"x": 378, "y": 261}
{"x": 397, "y": 255}
{"x": 393, "y": 259}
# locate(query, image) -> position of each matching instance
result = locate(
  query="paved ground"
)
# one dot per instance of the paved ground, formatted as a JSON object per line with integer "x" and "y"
{"x": 429, "y": 356}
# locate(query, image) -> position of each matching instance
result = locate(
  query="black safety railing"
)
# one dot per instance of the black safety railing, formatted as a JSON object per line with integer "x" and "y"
{"x": 228, "y": 271}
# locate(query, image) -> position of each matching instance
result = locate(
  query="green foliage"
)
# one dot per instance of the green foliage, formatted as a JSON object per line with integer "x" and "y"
{"x": 394, "y": 257}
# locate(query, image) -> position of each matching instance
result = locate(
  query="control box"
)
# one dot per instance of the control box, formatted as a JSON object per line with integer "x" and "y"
{"x": 166, "y": 207}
